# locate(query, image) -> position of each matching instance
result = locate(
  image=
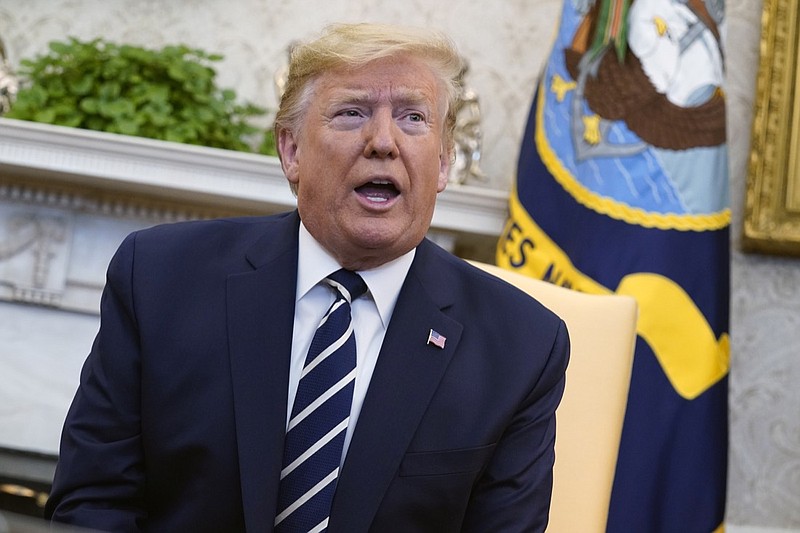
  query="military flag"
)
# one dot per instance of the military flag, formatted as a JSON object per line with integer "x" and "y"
{"x": 622, "y": 187}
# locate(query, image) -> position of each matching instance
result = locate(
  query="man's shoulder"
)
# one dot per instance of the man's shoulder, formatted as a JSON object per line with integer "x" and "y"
{"x": 482, "y": 289}
{"x": 209, "y": 228}
{"x": 215, "y": 239}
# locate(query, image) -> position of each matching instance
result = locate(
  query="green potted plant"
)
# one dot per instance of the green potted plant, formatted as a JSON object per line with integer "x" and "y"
{"x": 168, "y": 94}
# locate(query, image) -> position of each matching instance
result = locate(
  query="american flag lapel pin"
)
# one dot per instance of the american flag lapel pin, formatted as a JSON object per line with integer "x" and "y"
{"x": 436, "y": 338}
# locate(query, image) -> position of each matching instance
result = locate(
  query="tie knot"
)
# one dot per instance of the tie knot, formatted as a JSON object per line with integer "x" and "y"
{"x": 348, "y": 283}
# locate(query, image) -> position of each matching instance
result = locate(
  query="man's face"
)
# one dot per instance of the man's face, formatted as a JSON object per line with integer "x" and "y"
{"x": 369, "y": 159}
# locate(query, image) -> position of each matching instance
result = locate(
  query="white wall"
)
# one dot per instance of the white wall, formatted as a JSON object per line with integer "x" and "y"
{"x": 764, "y": 473}
{"x": 506, "y": 43}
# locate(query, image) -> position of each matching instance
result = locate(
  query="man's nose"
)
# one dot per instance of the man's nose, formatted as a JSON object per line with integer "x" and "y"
{"x": 381, "y": 135}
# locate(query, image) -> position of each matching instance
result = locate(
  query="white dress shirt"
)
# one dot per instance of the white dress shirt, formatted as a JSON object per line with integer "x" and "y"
{"x": 371, "y": 315}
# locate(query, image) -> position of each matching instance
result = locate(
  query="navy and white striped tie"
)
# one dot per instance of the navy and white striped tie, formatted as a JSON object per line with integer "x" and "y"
{"x": 320, "y": 415}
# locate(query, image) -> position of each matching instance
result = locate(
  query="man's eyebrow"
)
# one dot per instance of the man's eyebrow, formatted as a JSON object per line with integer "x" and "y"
{"x": 411, "y": 97}
{"x": 350, "y": 96}
{"x": 401, "y": 96}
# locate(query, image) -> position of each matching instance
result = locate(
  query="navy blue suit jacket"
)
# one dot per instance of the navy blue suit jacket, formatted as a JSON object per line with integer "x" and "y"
{"x": 178, "y": 423}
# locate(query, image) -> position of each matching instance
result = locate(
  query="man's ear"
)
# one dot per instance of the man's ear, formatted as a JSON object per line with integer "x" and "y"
{"x": 287, "y": 148}
{"x": 445, "y": 159}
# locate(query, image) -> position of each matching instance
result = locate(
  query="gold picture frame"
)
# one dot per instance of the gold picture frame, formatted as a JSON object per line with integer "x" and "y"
{"x": 772, "y": 199}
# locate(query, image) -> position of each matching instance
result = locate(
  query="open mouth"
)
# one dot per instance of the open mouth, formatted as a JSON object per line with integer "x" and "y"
{"x": 379, "y": 191}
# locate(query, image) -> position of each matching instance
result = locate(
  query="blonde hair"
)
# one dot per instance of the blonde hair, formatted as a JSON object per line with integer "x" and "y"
{"x": 355, "y": 45}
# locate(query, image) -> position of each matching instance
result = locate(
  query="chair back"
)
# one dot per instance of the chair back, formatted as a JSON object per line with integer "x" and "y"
{"x": 602, "y": 330}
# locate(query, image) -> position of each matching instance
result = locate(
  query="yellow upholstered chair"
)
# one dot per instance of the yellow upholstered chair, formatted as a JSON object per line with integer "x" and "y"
{"x": 602, "y": 330}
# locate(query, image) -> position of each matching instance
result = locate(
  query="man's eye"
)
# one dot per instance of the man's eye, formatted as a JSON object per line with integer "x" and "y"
{"x": 350, "y": 113}
{"x": 416, "y": 117}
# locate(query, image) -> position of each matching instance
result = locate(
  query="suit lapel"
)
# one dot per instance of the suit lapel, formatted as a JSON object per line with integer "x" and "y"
{"x": 260, "y": 338}
{"x": 406, "y": 376}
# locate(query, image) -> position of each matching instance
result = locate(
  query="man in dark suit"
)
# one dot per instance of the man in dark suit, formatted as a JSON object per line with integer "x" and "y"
{"x": 183, "y": 416}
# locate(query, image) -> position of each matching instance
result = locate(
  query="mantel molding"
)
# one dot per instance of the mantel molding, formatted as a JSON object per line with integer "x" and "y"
{"x": 214, "y": 178}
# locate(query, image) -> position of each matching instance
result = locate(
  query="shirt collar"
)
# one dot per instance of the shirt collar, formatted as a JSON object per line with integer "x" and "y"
{"x": 384, "y": 282}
